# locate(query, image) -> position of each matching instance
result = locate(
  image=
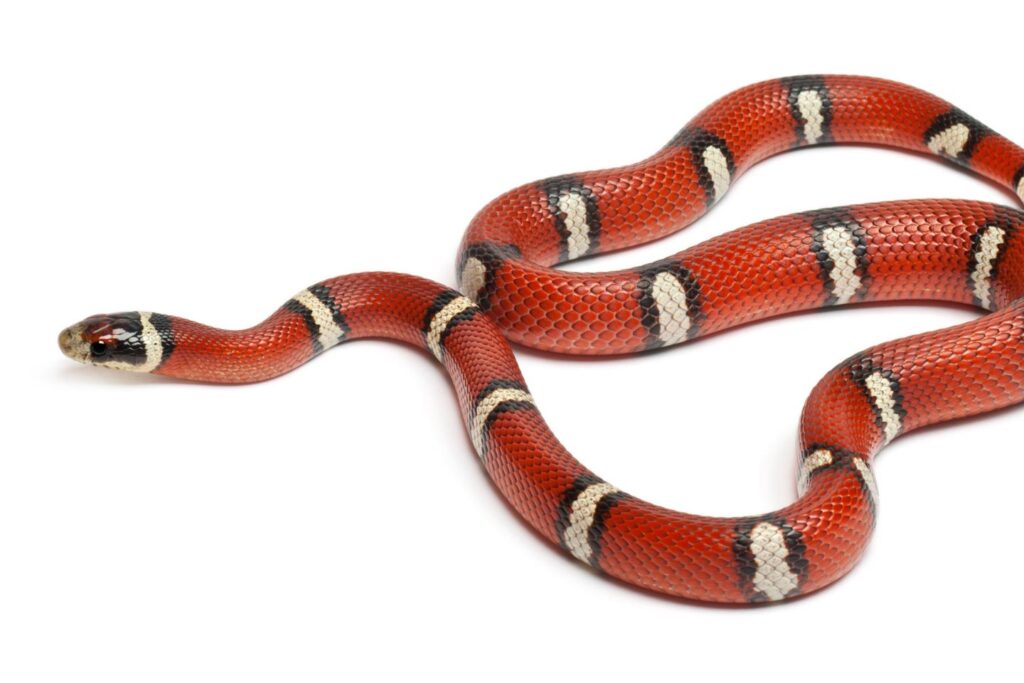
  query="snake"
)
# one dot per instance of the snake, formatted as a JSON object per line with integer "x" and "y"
{"x": 509, "y": 290}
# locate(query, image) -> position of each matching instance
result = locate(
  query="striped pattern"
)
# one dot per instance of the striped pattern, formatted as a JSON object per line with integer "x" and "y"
{"x": 574, "y": 208}
{"x": 712, "y": 159}
{"x": 473, "y": 278}
{"x": 984, "y": 254}
{"x": 152, "y": 342}
{"x": 583, "y": 515}
{"x": 478, "y": 269}
{"x": 838, "y": 243}
{"x": 952, "y": 141}
{"x": 717, "y": 165}
{"x": 773, "y": 578}
{"x": 497, "y": 397}
{"x": 770, "y": 558}
{"x": 821, "y": 457}
{"x": 841, "y": 249}
{"x": 955, "y": 134}
{"x": 165, "y": 333}
{"x": 448, "y": 309}
{"x": 326, "y": 324}
{"x": 669, "y": 299}
{"x": 810, "y": 104}
{"x": 811, "y": 108}
{"x": 868, "y": 479}
{"x": 883, "y": 392}
{"x": 674, "y": 321}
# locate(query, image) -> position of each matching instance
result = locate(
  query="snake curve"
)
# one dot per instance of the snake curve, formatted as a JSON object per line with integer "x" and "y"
{"x": 936, "y": 250}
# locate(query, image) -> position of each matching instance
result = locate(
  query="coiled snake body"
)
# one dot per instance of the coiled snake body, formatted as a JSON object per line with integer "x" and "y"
{"x": 936, "y": 250}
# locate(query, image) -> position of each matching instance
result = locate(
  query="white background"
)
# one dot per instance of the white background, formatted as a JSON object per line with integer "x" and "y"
{"x": 210, "y": 159}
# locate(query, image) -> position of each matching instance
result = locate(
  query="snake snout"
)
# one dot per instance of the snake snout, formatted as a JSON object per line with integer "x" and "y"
{"x": 72, "y": 343}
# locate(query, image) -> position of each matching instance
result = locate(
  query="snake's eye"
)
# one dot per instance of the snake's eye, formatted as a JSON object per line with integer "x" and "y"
{"x": 98, "y": 349}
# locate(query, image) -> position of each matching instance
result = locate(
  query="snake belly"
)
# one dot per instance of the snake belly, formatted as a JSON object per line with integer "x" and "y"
{"x": 922, "y": 250}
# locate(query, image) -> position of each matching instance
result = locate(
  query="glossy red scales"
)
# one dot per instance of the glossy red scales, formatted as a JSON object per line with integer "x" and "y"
{"x": 936, "y": 250}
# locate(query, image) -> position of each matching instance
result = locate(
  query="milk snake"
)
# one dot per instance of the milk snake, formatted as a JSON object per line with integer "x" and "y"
{"x": 938, "y": 250}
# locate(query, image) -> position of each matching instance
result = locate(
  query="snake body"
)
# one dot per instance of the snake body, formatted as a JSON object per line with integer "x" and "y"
{"x": 935, "y": 250}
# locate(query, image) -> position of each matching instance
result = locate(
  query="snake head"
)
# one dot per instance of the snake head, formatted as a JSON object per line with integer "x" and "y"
{"x": 125, "y": 341}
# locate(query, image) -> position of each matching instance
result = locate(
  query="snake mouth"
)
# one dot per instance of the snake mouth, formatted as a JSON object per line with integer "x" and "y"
{"x": 72, "y": 343}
